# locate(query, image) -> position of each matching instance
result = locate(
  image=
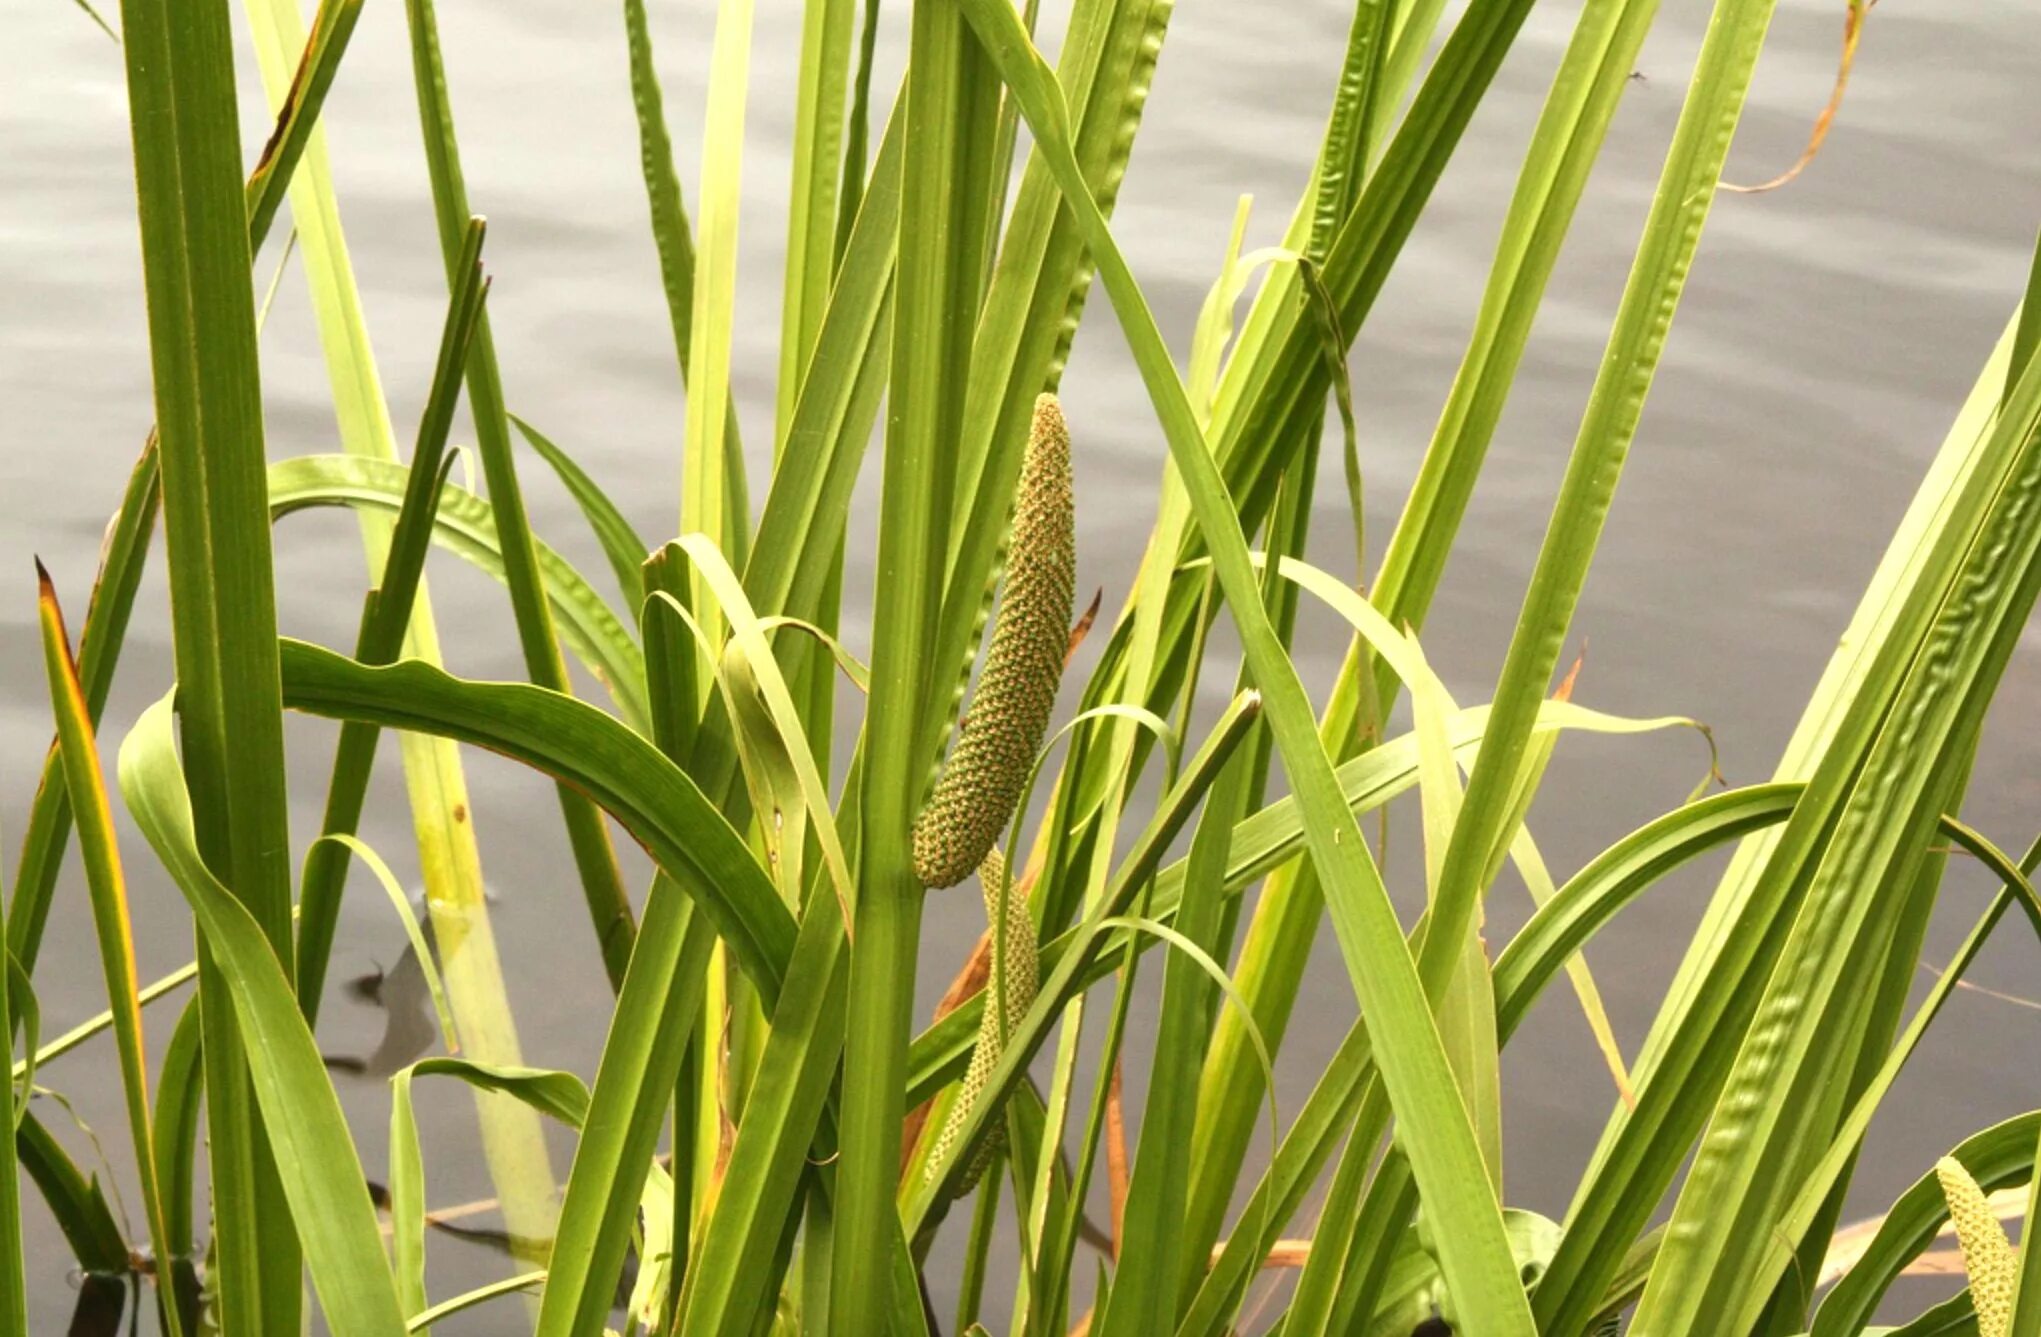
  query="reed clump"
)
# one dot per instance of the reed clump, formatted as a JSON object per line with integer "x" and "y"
{"x": 755, "y": 1132}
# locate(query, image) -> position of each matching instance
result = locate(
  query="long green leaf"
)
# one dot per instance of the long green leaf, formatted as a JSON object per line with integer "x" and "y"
{"x": 1533, "y": 958}
{"x": 1684, "y": 1063}
{"x": 407, "y": 1197}
{"x": 24, "y": 1070}
{"x": 706, "y": 861}
{"x": 1693, "y": 167}
{"x": 1275, "y": 384}
{"x": 789, "y": 570}
{"x": 106, "y": 620}
{"x": 671, "y": 670}
{"x": 710, "y": 868}
{"x": 1811, "y": 1196}
{"x": 1752, "y": 1145}
{"x": 1341, "y": 1219}
{"x": 806, "y": 507}
{"x": 110, "y": 918}
{"x": 819, "y": 111}
{"x": 13, "y": 1274}
{"x": 297, "y": 109}
{"x": 320, "y": 1174}
{"x": 1143, "y": 1295}
{"x": 2026, "y": 1317}
{"x": 578, "y": 744}
{"x": 1679, "y": 1068}
{"x": 559, "y": 1094}
{"x": 195, "y": 254}
{"x": 414, "y": 932}
{"x": 819, "y": 107}
{"x": 1153, "y": 1242}
{"x": 442, "y": 817}
{"x": 728, "y": 1276}
{"x": 383, "y": 625}
{"x": 1998, "y": 1157}
{"x": 523, "y": 1281}
{"x": 78, "y": 1204}
{"x": 22, "y": 1002}
{"x": 620, "y": 542}
{"x": 609, "y": 907}
{"x": 950, "y": 113}
{"x": 749, "y": 646}
{"x": 1036, "y": 297}
{"x": 712, "y": 500}
{"x": 634, "y": 1082}
{"x": 1272, "y": 393}
{"x": 1571, "y": 130}
{"x": 1474, "y": 1251}
{"x": 671, "y": 235}
{"x": 465, "y": 525}
{"x": 180, "y": 1082}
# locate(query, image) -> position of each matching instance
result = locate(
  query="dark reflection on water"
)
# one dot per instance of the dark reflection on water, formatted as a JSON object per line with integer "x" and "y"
{"x": 102, "y": 1303}
{"x": 402, "y": 995}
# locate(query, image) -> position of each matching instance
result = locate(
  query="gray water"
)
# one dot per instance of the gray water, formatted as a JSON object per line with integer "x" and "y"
{"x": 1828, "y": 335}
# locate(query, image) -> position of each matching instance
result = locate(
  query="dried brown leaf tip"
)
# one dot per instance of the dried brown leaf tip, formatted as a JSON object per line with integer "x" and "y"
{"x": 1987, "y": 1255}
{"x": 978, "y": 789}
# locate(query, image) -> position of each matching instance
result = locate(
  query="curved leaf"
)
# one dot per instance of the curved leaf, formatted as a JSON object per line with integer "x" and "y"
{"x": 112, "y": 923}
{"x": 581, "y": 746}
{"x": 1999, "y": 1157}
{"x": 560, "y": 1094}
{"x": 466, "y": 527}
{"x": 758, "y": 663}
{"x": 634, "y": 1084}
{"x": 1864, "y": 825}
{"x": 414, "y": 932}
{"x": 441, "y": 807}
{"x": 523, "y": 1281}
{"x": 315, "y": 1159}
{"x": 75, "y": 1200}
{"x": 1262, "y": 842}
{"x": 180, "y": 1083}
{"x": 620, "y": 542}
{"x": 13, "y": 1278}
{"x": 552, "y": 1092}
{"x": 1532, "y": 960}
{"x": 1613, "y": 878}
